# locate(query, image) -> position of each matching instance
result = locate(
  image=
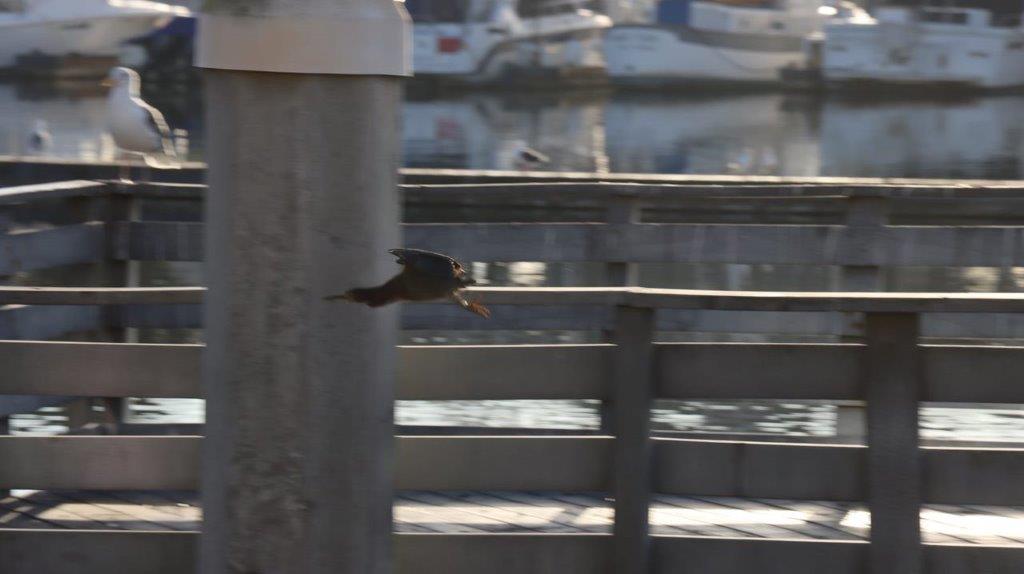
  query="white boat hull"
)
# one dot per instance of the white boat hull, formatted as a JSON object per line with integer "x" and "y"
{"x": 90, "y": 37}
{"x": 650, "y": 54}
{"x": 906, "y": 55}
{"x": 475, "y": 54}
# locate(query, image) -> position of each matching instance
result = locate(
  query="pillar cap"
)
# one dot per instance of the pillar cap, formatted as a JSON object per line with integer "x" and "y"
{"x": 366, "y": 40}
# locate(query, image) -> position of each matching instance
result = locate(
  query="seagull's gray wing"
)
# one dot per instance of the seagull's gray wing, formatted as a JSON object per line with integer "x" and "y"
{"x": 158, "y": 124}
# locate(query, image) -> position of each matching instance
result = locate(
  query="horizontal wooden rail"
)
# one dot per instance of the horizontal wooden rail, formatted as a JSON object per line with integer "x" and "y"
{"x": 659, "y": 243}
{"x": 43, "y": 322}
{"x": 969, "y": 374}
{"x": 99, "y": 463}
{"x": 99, "y": 369}
{"x": 51, "y": 191}
{"x": 568, "y": 464}
{"x": 657, "y": 192}
{"x": 38, "y": 169}
{"x": 27, "y": 551}
{"x": 818, "y": 301}
{"x": 560, "y": 190}
{"x": 103, "y": 552}
{"x": 100, "y": 295}
{"x": 27, "y": 251}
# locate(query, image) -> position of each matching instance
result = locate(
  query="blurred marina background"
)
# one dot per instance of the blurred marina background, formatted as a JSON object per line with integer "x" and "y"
{"x": 743, "y": 87}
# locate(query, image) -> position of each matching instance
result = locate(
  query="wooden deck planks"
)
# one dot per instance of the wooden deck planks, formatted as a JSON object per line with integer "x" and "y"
{"x": 503, "y": 512}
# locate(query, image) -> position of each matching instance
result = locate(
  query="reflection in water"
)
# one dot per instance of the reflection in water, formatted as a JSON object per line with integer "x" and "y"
{"x": 977, "y": 138}
{"x": 764, "y": 133}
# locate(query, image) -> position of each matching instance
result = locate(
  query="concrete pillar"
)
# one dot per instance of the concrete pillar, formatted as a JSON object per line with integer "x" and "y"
{"x": 302, "y": 101}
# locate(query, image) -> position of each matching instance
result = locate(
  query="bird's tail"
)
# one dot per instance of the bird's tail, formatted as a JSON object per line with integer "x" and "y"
{"x": 372, "y": 296}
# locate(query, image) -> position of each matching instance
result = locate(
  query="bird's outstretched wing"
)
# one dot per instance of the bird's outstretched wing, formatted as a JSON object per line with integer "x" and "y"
{"x": 428, "y": 262}
{"x": 533, "y": 156}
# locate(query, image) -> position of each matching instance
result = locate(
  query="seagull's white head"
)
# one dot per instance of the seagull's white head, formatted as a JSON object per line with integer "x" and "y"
{"x": 123, "y": 79}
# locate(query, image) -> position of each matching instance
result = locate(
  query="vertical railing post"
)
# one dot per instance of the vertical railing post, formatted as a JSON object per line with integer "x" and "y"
{"x": 866, "y": 218}
{"x": 620, "y": 211}
{"x": 5, "y": 428}
{"x": 894, "y": 389}
{"x": 632, "y": 474}
{"x": 121, "y": 208}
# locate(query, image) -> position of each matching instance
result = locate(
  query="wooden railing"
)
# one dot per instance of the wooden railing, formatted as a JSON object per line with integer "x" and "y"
{"x": 890, "y": 371}
{"x": 887, "y": 366}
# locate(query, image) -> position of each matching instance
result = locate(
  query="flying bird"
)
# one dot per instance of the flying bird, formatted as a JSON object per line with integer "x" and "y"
{"x": 527, "y": 158}
{"x": 39, "y": 139}
{"x": 425, "y": 276}
{"x": 135, "y": 125}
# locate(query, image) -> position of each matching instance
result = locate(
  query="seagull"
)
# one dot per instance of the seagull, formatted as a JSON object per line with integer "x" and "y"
{"x": 527, "y": 158}
{"x": 40, "y": 139}
{"x": 425, "y": 276}
{"x": 135, "y": 125}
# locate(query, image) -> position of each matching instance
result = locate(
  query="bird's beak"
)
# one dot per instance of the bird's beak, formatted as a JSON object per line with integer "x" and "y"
{"x": 107, "y": 83}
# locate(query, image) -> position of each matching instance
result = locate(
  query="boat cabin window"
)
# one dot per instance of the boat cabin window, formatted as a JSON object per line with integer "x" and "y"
{"x": 943, "y": 16}
{"x": 456, "y": 11}
{"x": 537, "y": 8}
{"x": 767, "y": 4}
{"x": 12, "y": 5}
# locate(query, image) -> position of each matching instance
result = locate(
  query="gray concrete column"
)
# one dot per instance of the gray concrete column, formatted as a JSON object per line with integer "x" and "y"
{"x": 303, "y": 203}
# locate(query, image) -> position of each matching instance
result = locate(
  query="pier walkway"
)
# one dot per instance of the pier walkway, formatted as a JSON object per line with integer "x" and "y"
{"x": 507, "y": 512}
{"x": 568, "y": 504}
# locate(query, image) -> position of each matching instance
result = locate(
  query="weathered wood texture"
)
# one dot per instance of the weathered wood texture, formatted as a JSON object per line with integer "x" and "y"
{"x": 26, "y": 251}
{"x": 100, "y": 295}
{"x": 503, "y": 463}
{"x": 894, "y": 388}
{"x": 72, "y": 189}
{"x": 18, "y": 322}
{"x": 103, "y": 552}
{"x": 298, "y": 464}
{"x": 101, "y": 463}
{"x": 97, "y": 552}
{"x": 663, "y": 243}
{"x": 632, "y": 471}
{"x": 99, "y": 369}
{"x": 568, "y": 464}
{"x": 41, "y": 322}
{"x": 715, "y": 468}
{"x": 35, "y": 169}
{"x": 710, "y": 300}
{"x": 976, "y": 374}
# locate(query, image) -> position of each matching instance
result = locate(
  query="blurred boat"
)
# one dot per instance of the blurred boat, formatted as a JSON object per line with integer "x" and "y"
{"x": 491, "y": 41}
{"x": 719, "y": 41}
{"x": 917, "y": 46}
{"x": 164, "y": 55}
{"x": 55, "y": 33}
